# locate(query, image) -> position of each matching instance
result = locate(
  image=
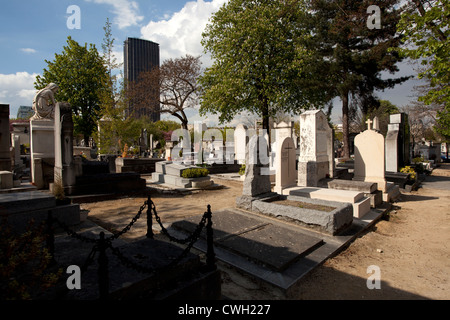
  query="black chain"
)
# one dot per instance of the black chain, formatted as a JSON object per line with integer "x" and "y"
{"x": 198, "y": 230}
{"x": 127, "y": 262}
{"x": 128, "y": 227}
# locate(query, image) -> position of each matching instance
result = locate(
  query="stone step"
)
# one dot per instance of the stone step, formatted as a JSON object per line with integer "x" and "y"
{"x": 353, "y": 185}
{"x": 368, "y": 188}
{"x": 327, "y": 194}
{"x": 361, "y": 203}
{"x": 180, "y": 181}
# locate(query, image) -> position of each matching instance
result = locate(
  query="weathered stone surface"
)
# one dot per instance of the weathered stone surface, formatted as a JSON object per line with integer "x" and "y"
{"x": 361, "y": 186}
{"x": 331, "y": 222}
{"x": 257, "y": 178}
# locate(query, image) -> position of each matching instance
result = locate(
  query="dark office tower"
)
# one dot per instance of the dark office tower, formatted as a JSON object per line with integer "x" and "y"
{"x": 140, "y": 55}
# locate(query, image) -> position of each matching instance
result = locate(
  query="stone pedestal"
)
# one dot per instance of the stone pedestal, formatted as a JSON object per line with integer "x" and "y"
{"x": 42, "y": 152}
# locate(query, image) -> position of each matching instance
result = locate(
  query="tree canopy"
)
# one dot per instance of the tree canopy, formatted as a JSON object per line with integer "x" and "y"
{"x": 169, "y": 89}
{"x": 260, "y": 63}
{"x": 82, "y": 77}
{"x": 425, "y": 26}
{"x": 354, "y": 54}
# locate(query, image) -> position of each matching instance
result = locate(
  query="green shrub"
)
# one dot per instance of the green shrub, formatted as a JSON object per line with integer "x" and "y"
{"x": 195, "y": 173}
{"x": 242, "y": 170}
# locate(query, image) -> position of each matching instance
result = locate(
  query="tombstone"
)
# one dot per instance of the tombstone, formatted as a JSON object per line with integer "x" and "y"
{"x": 286, "y": 174}
{"x": 199, "y": 128}
{"x": 65, "y": 171}
{"x": 42, "y": 151}
{"x": 15, "y": 139}
{"x": 240, "y": 143}
{"x": 281, "y": 131}
{"x": 376, "y": 124}
{"x": 5, "y": 155}
{"x": 257, "y": 179}
{"x": 369, "y": 158}
{"x": 316, "y": 160}
{"x": 397, "y": 142}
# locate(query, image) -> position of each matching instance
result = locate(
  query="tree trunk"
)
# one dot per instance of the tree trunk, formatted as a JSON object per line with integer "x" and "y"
{"x": 345, "y": 126}
{"x": 266, "y": 121}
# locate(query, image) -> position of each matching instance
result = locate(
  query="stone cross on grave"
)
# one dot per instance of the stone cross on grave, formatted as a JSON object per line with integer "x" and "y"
{"x": 369, "y": 122}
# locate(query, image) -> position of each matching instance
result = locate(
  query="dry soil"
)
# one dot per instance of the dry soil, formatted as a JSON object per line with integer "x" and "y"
{"x": 410, "y": 249}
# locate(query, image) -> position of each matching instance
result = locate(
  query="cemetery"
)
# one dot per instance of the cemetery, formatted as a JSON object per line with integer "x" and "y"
{"x": 297, "y": 205}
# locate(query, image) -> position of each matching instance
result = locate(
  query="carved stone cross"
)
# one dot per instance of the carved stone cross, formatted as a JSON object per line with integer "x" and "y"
{"x": 369, "y": 123}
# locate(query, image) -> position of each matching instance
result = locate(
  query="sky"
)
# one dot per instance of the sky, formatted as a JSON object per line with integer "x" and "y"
{"x": 33, "y": 31}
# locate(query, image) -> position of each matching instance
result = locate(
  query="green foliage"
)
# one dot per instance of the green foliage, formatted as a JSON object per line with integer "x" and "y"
{"x": 260, "y": 64}
{"x": 242, "y": 170}
{"x": 425, "y": 26}
{"x": 195, "y": 173}
{"x": 354, "y": 55}
{"x": 24, "y": 264}
{"x": 81, "y": 75}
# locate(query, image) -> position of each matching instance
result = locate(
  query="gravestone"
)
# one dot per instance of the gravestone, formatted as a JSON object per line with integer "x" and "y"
{"x": 5, "y": 156}
{"x": 369, "y": 158}
{"x": 65, "y": 171}
{"x": 316, "y": 160}
{"x": 240, "y": 143}
{"x": 281, "y": 131}
{"x": 199, "y": 128}
{"x": 257, "y": 174}
{"x": 397, "y": 142}
{"x": 286, "y": 174}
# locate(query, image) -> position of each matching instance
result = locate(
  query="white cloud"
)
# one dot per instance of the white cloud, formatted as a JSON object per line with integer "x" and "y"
{"x": 28, "y": 50}
{"x": 17, "y": 90}
{"x": 126, "y": 12}
{"x": 181, "y": 33}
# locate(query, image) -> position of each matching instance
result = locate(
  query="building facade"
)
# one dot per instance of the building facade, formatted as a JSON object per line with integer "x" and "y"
{"x": 140, "y": 56}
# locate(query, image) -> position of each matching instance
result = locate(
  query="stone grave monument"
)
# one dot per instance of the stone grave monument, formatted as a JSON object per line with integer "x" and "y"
{"x": 370, "y": 161}
{"x": 240, "y": 143}
{"x": 257, "y": 175}
{"x": 316, "y": 159}
{"x": 42, "y": 137}
{"x": 397, "y": 142}
{"x": 286, "y": 173}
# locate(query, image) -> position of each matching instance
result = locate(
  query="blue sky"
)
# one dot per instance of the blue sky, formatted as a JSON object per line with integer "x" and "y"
{"x": 33, "y": 31}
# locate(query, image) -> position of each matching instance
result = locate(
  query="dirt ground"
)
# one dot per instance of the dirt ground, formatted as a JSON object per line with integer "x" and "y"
{"x": 411, "y": 248}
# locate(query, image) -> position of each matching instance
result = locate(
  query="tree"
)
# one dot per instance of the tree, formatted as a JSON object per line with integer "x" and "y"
{"x": 260, "y": 64}
{"x": 82, "y": 77}
{"x": 115, "y": 128}
{"x": 382, "y": 109}
{"x": 425, "y": 25}
{"x": 354, "y": 55}
{"x": 173, "y": 87}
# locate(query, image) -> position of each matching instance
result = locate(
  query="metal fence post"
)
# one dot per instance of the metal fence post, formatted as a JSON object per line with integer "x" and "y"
{"x": 149, "y": 219}
{"x": 103, "y": 277}
{"x": 210, "y": 255}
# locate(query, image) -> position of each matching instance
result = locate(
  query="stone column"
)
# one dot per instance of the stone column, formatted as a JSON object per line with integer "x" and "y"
{"x": 64, "y": 160}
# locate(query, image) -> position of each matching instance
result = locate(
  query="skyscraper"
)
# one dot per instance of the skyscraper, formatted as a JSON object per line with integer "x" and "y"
{"x": 140, "y": 56}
